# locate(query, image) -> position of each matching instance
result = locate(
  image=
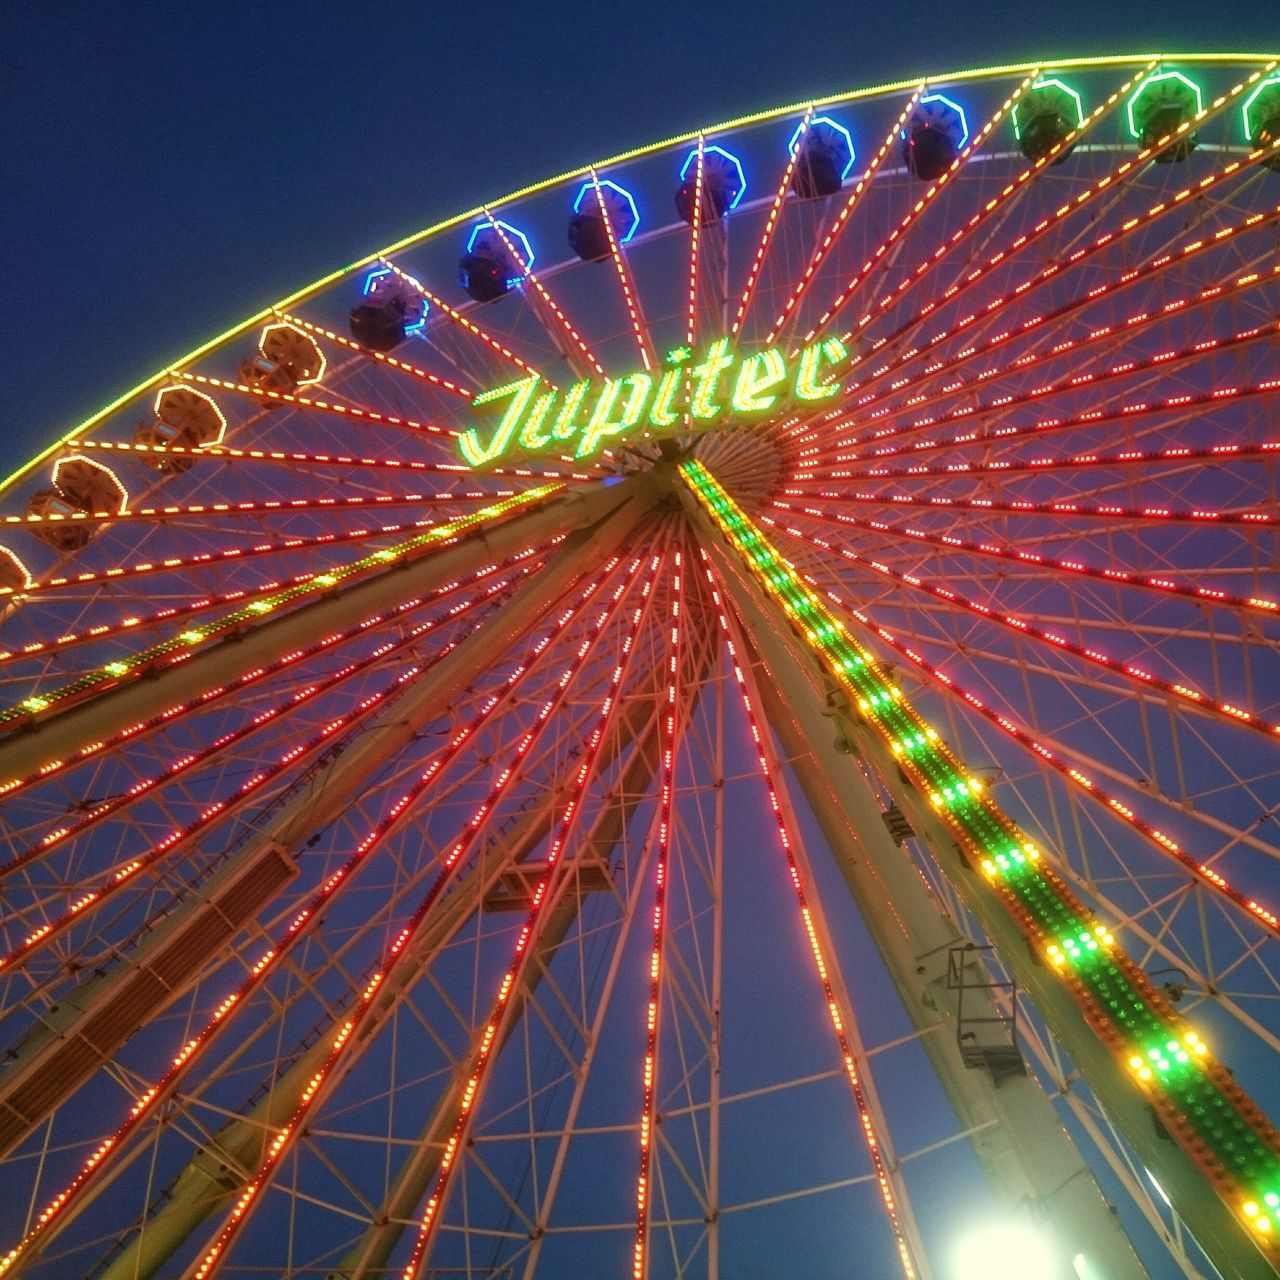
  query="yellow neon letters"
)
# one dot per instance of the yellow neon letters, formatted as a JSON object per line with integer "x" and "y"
{"x": 719, "y": 388}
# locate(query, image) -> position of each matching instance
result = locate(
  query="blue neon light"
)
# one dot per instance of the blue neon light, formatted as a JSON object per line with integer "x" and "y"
{"x": 835, "y": 127}
{"x": 957, "y": 108}
{"x": 371, "y": 284}
{"x": 728, "y": 159}
{"x": 513, "y": 233}
{"x": 623, "y": 192}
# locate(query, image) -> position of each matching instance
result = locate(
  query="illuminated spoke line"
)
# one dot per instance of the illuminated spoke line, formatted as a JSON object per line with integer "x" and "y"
{"x": 997, "y": 203}
{"x": 227, "y": 453}
{"x": 381, "y": 357}
{"x": 1114, "y": 334}
{"x": 1219, "y": 1128}
{"x": 1128, "y": 672}
{"x": 179, "y": 648}
{"x": 876, "y": 1140}
{"x": 863, "y": 274}
{"x": 1104, "y": 185}
{"x": 770, "y": 224}
{"x": 310, "y": 915}
{"x": 209, "y": 696}
{"x": 358, "y": 413}
{"x": 644, "y": 1189}
{"x": 1168, "y": 360}
{"x": 466, "y": 324}
{"x": 630, "y": 298}
{"x": 181, "y": 563}
{"x": 1066, "y": 509}
{"x": 824, "y": 247}
{"x": 503, "y": 1006}
{"x": 1074, "y": 462}
{"x": 301, "y": 697}
{"x": 577, "y": 351}
{"x": 1032, "y": 559}
{"x": 1167, "y": 847}
{"x": 222, "y": 510}
{"x": 695, "y": 244}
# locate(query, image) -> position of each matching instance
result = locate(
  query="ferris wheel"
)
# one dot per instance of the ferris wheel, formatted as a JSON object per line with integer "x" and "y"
{"x": 732, "y": 735}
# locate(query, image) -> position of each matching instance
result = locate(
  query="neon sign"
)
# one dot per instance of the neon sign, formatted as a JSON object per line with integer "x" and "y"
{"x": 719, "y": 386}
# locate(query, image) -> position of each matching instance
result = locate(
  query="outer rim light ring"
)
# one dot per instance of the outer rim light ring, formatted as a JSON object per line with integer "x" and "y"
{"x": 582, "y": 171}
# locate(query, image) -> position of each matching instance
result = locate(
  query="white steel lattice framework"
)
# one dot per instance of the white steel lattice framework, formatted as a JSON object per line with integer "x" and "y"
{"x": 786, "y": 776}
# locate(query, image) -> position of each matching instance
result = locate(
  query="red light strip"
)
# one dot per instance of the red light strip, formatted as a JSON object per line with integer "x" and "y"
{"x": 1168, "y": 847}
{"x": 530, "y": 275}
{"x": 630, "y": 298}
{"x": 1128, "y": 672}
{"x": 302, "y": 922}
{"x": 357, "y": 412}
{"x": 785, "y": 842}
{"x": 273, "y": 504}
{"x": 180, "y": 563}
{"x": 1132, "y": 324}
{"x": 1083, "y": 510}
{"x": 819, "y": 255}
{"x": 770, "y": 225}
{"x": 1201, "y": 595}
{"x": 60, "y": 835}
{"x": 1166, "y": 360}
{"x": 861, "y": 275}
{"x": 997, "y": 201}
{"x": 483, "y": 1055}
{"x": 464, "y": 323}
{"x": 695, "y": 239}
{"x": 467, "y": 393}
{"x": 1104, "y": 184}
{"x": 226, "y": 452}
{"x": 208, "y": 696}
{"x": 117, "y": 877}
{"x": 644, "y": 1190}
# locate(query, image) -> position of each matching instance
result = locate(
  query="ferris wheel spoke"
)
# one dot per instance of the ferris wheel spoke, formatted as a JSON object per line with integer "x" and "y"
{"x": 173, "y": 714}
{"x": 296, "y": 459}
{"x": 770, "y": 224}
{"x": 630, "y": 297}
{"x": 1103, "y": 337}
{"x": 820, "y": 253}
{"x": 381, "y": 357}
{"x": 580, "y": 357}
{"x": 1260, "y": 605}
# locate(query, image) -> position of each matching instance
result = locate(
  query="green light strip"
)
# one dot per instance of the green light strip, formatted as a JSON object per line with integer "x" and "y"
{"x": 315, "y": 584}
{"x": 1215, "y": 1122}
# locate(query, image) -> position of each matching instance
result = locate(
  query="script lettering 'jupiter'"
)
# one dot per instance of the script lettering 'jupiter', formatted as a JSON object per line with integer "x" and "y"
{"x": 718, "y": 388}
